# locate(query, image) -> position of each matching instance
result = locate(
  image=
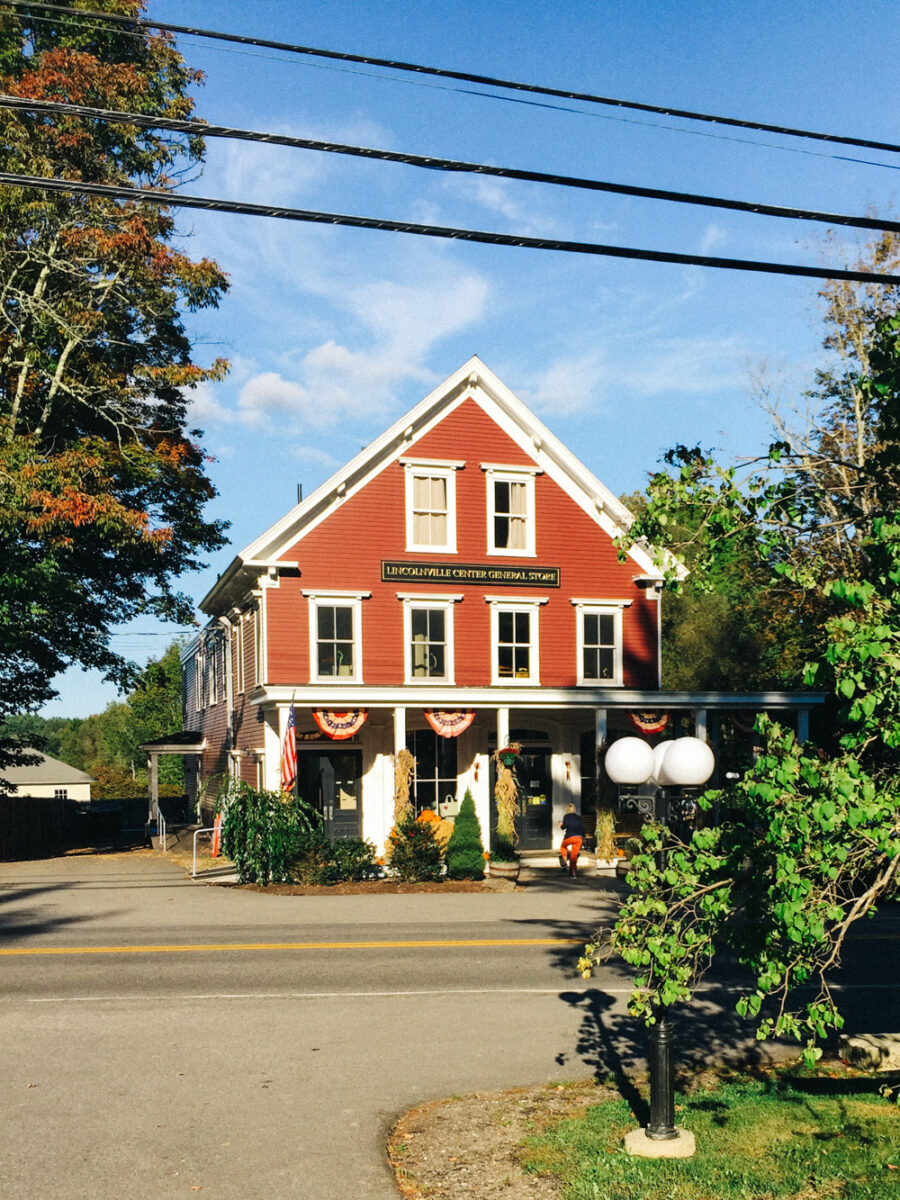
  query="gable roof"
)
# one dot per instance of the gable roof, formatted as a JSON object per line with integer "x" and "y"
{"x": 48, "y": 770}
{"x": 473, "y": 381}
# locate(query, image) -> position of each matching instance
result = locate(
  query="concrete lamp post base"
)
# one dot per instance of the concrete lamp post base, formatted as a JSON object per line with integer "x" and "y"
{"x": 638, "y": 1143}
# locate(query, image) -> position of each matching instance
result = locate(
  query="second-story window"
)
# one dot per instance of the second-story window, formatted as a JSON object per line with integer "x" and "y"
{"x": 515, "y": 641}
{"x": 599, "y": 641}
{"x": 335, "y": 629}
{"x": 428, "y": 634}
{"x": 431, "y": 505}
{"x": 334, "y": 640}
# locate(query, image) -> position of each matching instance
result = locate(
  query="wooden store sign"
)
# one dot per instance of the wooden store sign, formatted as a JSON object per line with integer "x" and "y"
{"x": 429, "y": 572}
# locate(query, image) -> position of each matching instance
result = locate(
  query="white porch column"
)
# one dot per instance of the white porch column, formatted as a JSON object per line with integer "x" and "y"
{"x": 502, "y": 727}
{"x": 153, "y": 780}
{"x": 802, "y": 724}
{"x": 599, "y": 729}
{"x": 399, "y": 730}
{"x": 700, "y": 724}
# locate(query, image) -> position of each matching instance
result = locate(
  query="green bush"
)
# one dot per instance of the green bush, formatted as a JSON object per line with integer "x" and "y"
{"x": 416, "y": 854}
{"x": 465, "y": 850}
{"x": 353, "y": 860}
{"x": 312, "y": 863}
{"x": 504, "y": 851}
{"x": 262, "y": 831}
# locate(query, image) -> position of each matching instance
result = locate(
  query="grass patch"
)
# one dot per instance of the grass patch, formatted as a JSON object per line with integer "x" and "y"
{"x": 779, "y": 1137}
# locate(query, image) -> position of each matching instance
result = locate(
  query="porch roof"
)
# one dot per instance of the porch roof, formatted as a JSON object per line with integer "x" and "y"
{"x": 358, "y": 696}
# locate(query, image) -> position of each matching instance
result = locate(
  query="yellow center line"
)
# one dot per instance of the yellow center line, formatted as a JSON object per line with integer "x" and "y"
{"x": 200, "y": 948}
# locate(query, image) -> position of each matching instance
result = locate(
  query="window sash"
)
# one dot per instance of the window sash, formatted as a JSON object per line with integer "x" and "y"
{"x": 430, "y": 500}
{"x": 513, "y": 649}
{"x": 335, "y": 640}
{"x": 428, "y": 643}
{"x": 600, "y": 646}
{"x": 511, "y": 516}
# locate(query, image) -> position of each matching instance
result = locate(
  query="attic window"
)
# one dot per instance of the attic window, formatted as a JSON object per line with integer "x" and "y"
{"x": 430, "y": 506}
{"x": 510, "y": 510}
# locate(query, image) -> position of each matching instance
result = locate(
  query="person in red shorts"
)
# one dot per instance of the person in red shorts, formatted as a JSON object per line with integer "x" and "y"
{"x": 573, "y": 835}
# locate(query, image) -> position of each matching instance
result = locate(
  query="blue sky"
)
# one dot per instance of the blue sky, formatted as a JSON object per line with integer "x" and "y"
{"x": 333, "y": 333}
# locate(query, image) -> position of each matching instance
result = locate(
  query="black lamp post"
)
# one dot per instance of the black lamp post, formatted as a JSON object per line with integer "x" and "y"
{"x": 671, "y": 766}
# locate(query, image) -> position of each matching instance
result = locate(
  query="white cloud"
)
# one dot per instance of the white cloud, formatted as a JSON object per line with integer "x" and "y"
{"x": 568, "y": 386}
{"x": 690, "y": 364}
{"x": 267, "y": 394}
{"x": 204, "y": 410}
{"x": 580, "y": 382}
{"x": 713, "y": 237}
{"x": 409, "y": 317}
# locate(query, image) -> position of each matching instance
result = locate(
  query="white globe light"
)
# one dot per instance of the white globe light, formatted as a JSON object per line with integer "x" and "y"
{"x": 629, "y": 760}
{"x": 688, "y": 763}
{"x": 659, "y": 754}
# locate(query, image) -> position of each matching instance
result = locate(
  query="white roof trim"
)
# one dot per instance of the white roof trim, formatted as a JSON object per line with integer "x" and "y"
{"x": 473, "y": 379}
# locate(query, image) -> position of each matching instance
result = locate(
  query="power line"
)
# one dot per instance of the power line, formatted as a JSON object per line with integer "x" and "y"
{"x": 176, "y": 200}
{"x": 439, "y": 164}
{"x": 465, "y": 76}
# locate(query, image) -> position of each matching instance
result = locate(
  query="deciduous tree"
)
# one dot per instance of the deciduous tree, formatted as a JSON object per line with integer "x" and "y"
{"x": 808, "y": 842}
{"x": 102, "y": 485}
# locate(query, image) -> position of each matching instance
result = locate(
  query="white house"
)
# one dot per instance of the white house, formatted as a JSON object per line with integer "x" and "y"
{"x": 49, "y": 777}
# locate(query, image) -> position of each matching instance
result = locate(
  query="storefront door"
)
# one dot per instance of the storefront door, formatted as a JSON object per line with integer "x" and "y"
{"x": 331, "y": 781}
{"x": 535, "y": 800}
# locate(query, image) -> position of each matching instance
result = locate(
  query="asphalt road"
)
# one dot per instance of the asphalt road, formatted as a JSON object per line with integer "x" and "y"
{"x": 166, "y": 1038}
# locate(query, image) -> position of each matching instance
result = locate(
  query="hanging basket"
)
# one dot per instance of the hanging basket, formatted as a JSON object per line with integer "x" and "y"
{"x": 340, "y": 725}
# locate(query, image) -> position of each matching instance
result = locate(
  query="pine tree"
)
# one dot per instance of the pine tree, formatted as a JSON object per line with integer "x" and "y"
{"x": 465, "y": 850}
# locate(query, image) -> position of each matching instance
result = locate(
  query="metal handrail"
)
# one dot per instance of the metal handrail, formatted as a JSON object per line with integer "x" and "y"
{"x": 161, "y": 831}
{"x": 197, "y": 832}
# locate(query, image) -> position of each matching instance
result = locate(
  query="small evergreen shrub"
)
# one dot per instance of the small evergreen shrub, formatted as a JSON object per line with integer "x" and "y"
{"x": 465, "y": 851}
{"x": 353, "y": 860}
{"x": 415, "y": 853}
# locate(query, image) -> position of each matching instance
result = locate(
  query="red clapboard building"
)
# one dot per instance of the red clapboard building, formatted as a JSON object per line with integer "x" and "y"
{"x": 454, "y": 588}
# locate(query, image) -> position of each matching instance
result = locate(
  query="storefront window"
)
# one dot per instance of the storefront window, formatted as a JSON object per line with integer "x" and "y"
{"x": 434, "y": 775}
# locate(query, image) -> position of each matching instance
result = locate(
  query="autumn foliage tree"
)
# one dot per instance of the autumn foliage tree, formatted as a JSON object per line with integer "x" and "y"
{"x": 102, "y": 485}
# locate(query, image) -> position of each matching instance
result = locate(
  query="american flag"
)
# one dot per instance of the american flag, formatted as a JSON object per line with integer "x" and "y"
{"x": 289, "y": 753}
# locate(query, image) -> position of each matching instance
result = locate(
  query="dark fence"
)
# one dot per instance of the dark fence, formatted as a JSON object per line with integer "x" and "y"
{"x": 35, "y": 826}
{"x": 41, "y": 826}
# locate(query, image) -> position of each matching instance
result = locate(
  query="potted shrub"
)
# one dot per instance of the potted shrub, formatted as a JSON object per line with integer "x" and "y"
{"x": 504, "y": 861}
{"x": 607, "y": 855}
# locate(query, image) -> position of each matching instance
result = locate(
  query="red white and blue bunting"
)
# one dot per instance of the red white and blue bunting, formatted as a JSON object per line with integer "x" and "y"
{"x": 340, "y": 725}
{"x": 449, "y": 724}
{"x": 649, "y": 722}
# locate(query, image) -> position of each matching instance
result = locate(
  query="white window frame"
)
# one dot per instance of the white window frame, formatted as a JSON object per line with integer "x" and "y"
{"x": 600, "y": 608}
{"x": 198, "y": 679}
{"x": 531, "y": 606}
{"x": 212, "y": 698}
{"x": 500, "y": 473}
{"x": 443, "y": 603}
{"x": 237, "y": 652}
{"x": 333, "y": 599}
{"x": 422, "y": 468}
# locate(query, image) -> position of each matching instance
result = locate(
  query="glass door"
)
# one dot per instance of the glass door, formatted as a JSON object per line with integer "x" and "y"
{"x": 331, "y": 780}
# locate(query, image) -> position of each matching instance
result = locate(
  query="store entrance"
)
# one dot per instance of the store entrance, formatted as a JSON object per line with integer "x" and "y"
{"x": 533, "y": 823}
{"x": 331, "y": 780}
